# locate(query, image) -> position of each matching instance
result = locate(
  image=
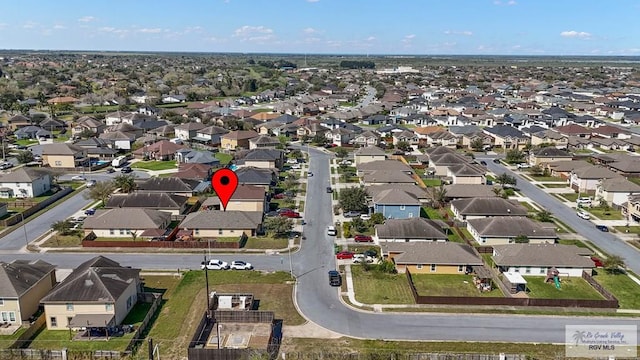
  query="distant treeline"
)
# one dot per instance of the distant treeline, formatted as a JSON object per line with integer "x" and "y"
{"x": 278, "y": 64}
{"x": 357, "y": 64}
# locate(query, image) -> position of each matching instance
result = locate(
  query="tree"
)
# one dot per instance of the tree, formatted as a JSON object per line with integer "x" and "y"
{"x": 358, "y": 224}
{"x": 280, "y": 226}
{"x": 101, "y": 191}
{"x": 319, "y": 139}
{"x": 536, "y": 170}
{"x": 341, "y": 152}
{"x": 506, "y": 179}
{"x": 25, "y": 157}
{"x": 353, "y": 199}
{"x": 521, "y": 239}
{"x": 377, "y": 218}
{"x": 63, "y": 227}
{"x": 438, "y": 195}
{"x": 544, "y": 216}
{"x": 514, "y": 156}
{"x": 134, "y": 235}
{"x": 404, "y": 146}
{"x": 477, "y": 144}
{"x": 125, "y": 182}
{"x": 603, "y": 204}
{"x": 613, "y": 264}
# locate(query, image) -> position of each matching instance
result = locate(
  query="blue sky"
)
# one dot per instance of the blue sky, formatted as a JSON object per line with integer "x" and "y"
{"x": 500, "y": 27}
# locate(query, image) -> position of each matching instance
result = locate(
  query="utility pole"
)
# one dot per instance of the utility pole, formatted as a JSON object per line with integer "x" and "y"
{"x": 206, "y": 278}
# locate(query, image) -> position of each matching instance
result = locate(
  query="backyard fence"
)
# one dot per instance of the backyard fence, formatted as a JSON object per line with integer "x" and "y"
{"x": 24, "y": 339}
{"x": 34, "y": 207}
{"x": 91, "y": 241}
{"x": 138, "y": 336}
{"x": 380, "y": 354}
{"x": 610, "y": 303}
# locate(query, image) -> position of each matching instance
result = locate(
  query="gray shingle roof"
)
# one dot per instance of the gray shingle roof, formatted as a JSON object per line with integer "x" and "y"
{"x": 416, "y": 228}
{"x": 552, "y": 152}
{"x": 369, "y": 151}
{"x": 18, "y": 276}
{"x": 99, "y": 279}
{"x": 384, "y": 176}
{"x": 423, "y": 252}
{"x": 170, "y": 184}
{"x": 511, "y": 226}
{"x": 395, "y": 197}
{"x": 490, "y": 206}
{"x": 127, "y": 218}
{"x": 251, "y": 175}
{"x": 547, "y": 255}
{"x": 595, "y": 172}
{"x": 620, "y": 184}
{"x": 216, "y": 219}
{"x": 23, "y": 175}
{"x": 412, "y": 189}
{"x": 146, "y": 200}
{"x": 386, "y": 165}
{"x": 60, "y": 149}
{"x": 457, "y": 191}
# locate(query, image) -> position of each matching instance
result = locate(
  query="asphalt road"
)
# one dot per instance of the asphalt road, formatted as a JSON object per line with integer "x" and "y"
{"x": 604, "y": 240}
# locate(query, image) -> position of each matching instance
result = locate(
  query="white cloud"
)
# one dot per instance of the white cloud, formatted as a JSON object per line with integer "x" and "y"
{"x": 370, "y": 38}
{"x": 87, "y": 19}
{"x": 453, "y": 32}
{"x": 150, "y": 31}
{"x": 59, "y": 27}
{"x": 29, "y": 25}
{"x": 508, "y": 3}
{"x": 254, "y": 33}
{"x": 310, "y": 30}
{"x": 575, "y": 34}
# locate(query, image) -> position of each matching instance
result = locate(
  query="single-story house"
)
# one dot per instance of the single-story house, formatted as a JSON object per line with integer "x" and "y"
{"x": 245, "y": 198}
{"x": 537, "y": 259}
{"x": 368, "y": 154}
{"x": 477, "y": 208}
{"x": 419, "y": 193}
{"x": 548, "y": 155}
{"x": 212, "y": 224}
{"x": 414, "y": 229}
{"x": 172, "y": 204}
{"x": 505, "y": 229}
{"x": 126, "y": 222}
{"x": 430, "y": 257}
{"x": 464, "y": 191}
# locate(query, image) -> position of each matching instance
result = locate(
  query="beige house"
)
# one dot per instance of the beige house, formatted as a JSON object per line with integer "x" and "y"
{"x": 500, "y": 230}
{"x": 430, "y": 257}
{"x": 211, "y": 224}
{"x": 548, "y": 155}
{"x": 99, "y": 293}
{"x": 22, "y": 285}
{"x": 63, "y": 155}
{"x": 550, "y": 137}
{"x": 237, "y": 139}
{"x": 469, "y": 174}
{"x": 245, "y": 198}
{"x": 125, "y": 222}
{"x": 368, "y": 154}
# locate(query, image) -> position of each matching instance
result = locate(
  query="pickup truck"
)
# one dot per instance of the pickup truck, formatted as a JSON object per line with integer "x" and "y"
{"x": 214, "y": 264}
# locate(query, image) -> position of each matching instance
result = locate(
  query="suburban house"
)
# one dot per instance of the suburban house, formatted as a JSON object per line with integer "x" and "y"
{"x": 261, "y": 158}
{"x": 414, "y": 229}
{"x": 383, "y": 165}
{"x": 162, "y": 150}
{"x": 466, "y": 174}
{"x": 63, "y": 155}
{"x": 632, "y": 210}
{"x": 203, "y": 157}
{"x": 616, "y": 191}
{"x": 87, "y": 124}
{"x": 382, "y": 177}
{"x": 119, "y": 140}
{"x": 191, "y": 171}
{"x": 405, "y": 136}
{"x": 22, "y": 284}
{"x": 172, "y": 204}
{"x": 170, "y": 185}
{"x": 188, "y": 131}
{"x": 396, "y": 204}
{"x": 237, "y": 139}
{"x": 340, "y": 136}
{"x": 585, "y": 180}
{"x": 212, "y": 224}
{"x": 367, "y": 138}
{"x": 507, "y": 137}
{"x": 505, "y": 229}
{"x": 537, "y": 259}
{"x": 477, "y": 208}
{"x": 414, "y": 190}
{"x": 24, "y": 183}
{"x": 430, "y": 257}
{"x": 210, "y": 135}
{"x": 99, "y": 293}
{"x": 263, "y": 141}
{"x": 549, "y": 137}
{"x": 368, "y": 154}
{"x": 464, "y": 191}
{"x": 32, "y": 132}
{"x": 245, "y": 198}
{"x": 439, "y": 162}
{"x": 548, "y": 155}
{"x": 127, "y": 222}
{"x": 563, "y": 169}
{"x": 97, "y": 148}
{"x": 256, "y": 176}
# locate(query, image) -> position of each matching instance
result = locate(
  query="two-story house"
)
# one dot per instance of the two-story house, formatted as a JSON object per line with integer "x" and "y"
{"x": 24, "y": 183}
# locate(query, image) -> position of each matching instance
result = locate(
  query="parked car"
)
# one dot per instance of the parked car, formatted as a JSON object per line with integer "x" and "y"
{"x": 483, "y": 163}
{"x": 296, "y": 166}
{"x": 496, "y": 161}
{"x": 362, "y": 238}
{"x": 292, "y": 161}
{"x": 5, "y": 165}
{"x": 603, "y": 228}
{"x": 90, "y": 183}
{"x": 279, "y": 196}
{"x": 240, "y": 265}
{"x": 583, "y": 215}
{"x": 345, "y": 162}
{"x": 90, "y": 211}
{"x": 126, "y": 170}
{"x": 309, "y": 173}
{"x": 271, "y": 214}
{"x": 214, "y": 264}
{"x": 335, "y": 279}
{"x": 282, "y": 210}
{"x": 331, "y": 230}
{"x": 597, "y": 262}
{"x": 371, "y": 253}
{"x": 78, "y": 178}
{"x": 329, "y": 189}
{"x": 290, "y": 214}
{"x": 362, "y": 258}
{"x": 342, "y": 255}
{"x": 110, "y": 170}
{"x": 584, "y": 201}
{"x": 523, "y": 166}
{"x": 365, "y": 217}
{"x": 352, "y": 214}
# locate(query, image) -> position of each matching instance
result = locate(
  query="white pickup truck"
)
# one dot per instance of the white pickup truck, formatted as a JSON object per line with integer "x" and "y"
{"x": 214, "y": 264}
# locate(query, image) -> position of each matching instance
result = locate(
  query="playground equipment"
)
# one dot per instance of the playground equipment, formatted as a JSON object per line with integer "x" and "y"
{"x": 553, "y": 275}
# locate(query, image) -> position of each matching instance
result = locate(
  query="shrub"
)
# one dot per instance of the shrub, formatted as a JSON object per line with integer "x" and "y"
{"x": 346, "y": 229}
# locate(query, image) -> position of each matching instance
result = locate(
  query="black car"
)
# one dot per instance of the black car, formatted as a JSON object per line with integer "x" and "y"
{"x": 370, "y": 253}
{"x": 329, "y": 189}
{"x": 497, "y": 161}
{"x": 126, "y": 170}
{"x": 483, "y": 163}
{"x": 335, "y": 279}
{"x": 603, "y": 228}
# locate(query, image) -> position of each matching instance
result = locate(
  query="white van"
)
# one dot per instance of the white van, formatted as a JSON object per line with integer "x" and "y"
{"x": 584, "y": 201}
{"x": 331, "y": 231}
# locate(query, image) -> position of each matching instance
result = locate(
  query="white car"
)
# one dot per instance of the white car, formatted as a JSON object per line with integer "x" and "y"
{"x": 78, "y": 178}
{"x": 331, "y": 231}
{"x": 583, "y": 215}
{"x": 90, "y": 183}
{"x": 584, "y": 201}
{"x": 365, "y": 217}
{"x": 214, "y": 264}
{"x": 296, "y": 166}
{"x": 240, "y": 265}
{"x": 292, "y": 161}
{"x": 523, "y": 166}
{"x": 361, "y": 258}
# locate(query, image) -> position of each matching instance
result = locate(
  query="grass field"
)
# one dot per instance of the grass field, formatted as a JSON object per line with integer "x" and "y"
{"x": 622, "y": 287}
{"x": 431, "y": 182}
{"x": 8, "y": 340}
{"x": 155, "y": 165}
{"x": 449, "y": 285}
{"x": 266, "y": 243}
{"x": 545, "y": 178}
{"x": 431, "y": 213}
{"x": 224, "y": 158}
{"x": 556, "y": 186}
{"x": 571, "y": 288}
{"x": 373, "y": 287}
{"x": 573, "y": 197}
{"x": 62, "y": 241}
{"x": 605, "y": 215}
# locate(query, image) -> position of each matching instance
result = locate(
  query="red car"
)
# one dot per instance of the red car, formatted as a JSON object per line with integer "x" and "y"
{"x": 363, "y": 238}
{"x": 596, "y": 261}
{"x": 290, "y": 214}
{"x": 344, "y": 255}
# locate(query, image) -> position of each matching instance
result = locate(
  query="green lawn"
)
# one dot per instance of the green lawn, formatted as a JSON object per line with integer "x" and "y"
{"x": 431, "y": 213}
{"x": 631, "y": 229}
{"x": 431, "y": 182}
{"x": 622, "y": 287}
{"x": 527, "y": 205}
{"x": 573, "y": 197}
{"x": 545, "y": 178}
{"x": 606, "y": 215}
{"x": 556, "y": 186}
{"x": 571, "y": 288}
{"x": 8, "y": 340}
{"x": 578, "y": 243}
{"x": 449, "y": 285}
{"x": 266, "y": 243}
{"x": 155, "y": 165}
{"x": 25, "y": 142}
{"x": 374, "y": 287}
{"x": 63, "y": 241}
{"x": 224, "y": 158}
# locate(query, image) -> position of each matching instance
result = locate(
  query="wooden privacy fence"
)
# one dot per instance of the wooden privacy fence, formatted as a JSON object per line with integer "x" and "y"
{"x": 91, "y": 241}
{"x": 138, "y": 336}
{"x": 24, "y": 338}
{"x": 34, "y": 207}
{"x": 610, "y": 303}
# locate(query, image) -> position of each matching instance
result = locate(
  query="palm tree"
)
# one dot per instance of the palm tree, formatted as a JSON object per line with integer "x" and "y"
{"x": 439, "y": 195}
{"x": 544, "y": 216}
{"x": 62, "y": 227}
{"x": 126, "y": 182}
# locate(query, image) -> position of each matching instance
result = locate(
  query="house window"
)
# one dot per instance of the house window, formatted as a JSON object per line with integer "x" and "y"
{"x": 108, "y": 307}
{"x": 232, "y": 231}
{"x": 69, "y": 307}
{"x": 219, "y": 231}
{"x": 121, "y": 231}
{"x": 433, "y": 267}
{"x": 54, "y": 321}
{"x": 196, "y": 231}
{"x": 1, "y": 302}
{"x": 128, "y": 231}
{"x": 419, "y": 266}
{"x": 112, "y": 232}
{"x": 460, "y": 268}
{"x": 410, "y": 215}
{"x": 543, "y": 271}
{"x": 527, "y": 270}
{"x": 516, "y": 270}
{"x": 57, "y": 163}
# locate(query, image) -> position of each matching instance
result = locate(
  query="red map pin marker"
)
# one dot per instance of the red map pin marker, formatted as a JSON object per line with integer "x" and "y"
{"x": 225, "y": 183}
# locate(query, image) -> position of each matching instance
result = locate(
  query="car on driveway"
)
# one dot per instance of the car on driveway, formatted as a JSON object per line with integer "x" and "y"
{"x": 126, "y": 170}
{"x": 352, "y": 214}
{"x": 342, "y": 255}
{"x": 365, "y": 217}
{"x": 583, "y": 215}
{"x": 214, "y": 264}
{"x": 361, "y": 258}
{"x": 240, "y": 265}
{"x": 290, "y": 214}
{"x": 603, "y": 228}
{"x": 335, "y": 279}
{"x": 597, "y": 261}
{"x": 90, "y": 211}
{"x": 329, "y": 189}
{"x": 370, "y": 253}
{"x": 78, "y": 178}
{"x": 90, "y": 183}
{"x": 362, "y": 238}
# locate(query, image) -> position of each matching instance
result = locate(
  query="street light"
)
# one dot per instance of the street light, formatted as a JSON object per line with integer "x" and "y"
{"x": 24, "y": 227}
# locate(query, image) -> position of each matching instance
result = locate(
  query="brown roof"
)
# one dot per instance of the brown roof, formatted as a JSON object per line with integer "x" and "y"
{"x": 428, "y": 129}
{"x": 489, "y": 206}
{"x": 127, "y": 218}
{"x": 162, "y": 147}
{"x": 427, "y": 252}
{"x": 62, "y": 100}
{"x": 545, "y": 255}
{"x": 511, "y": 226}
{"x": 415, "y": 228}
{"x": 192, "y": 171}
{"x": 240, "y": 135}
